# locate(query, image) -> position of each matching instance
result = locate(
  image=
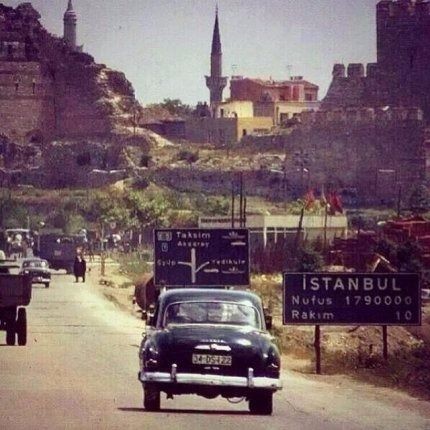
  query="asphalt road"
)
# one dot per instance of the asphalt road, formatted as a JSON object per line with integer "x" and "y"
{"x": 79, "y": 371}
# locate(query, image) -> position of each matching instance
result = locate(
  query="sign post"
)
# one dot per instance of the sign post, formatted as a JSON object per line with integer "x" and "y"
{"x": 379, "y": 299}
{"x": 317, "y": 345}
{"x": 201, "y": 257}
{"x": 385, "y": 342}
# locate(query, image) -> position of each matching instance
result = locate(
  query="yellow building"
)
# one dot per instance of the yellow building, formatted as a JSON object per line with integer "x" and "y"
{"x": 226, "y": 130}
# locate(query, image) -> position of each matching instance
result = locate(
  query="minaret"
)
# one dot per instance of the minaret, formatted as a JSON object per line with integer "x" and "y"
{"x": 70, "y": 20}
{"x": 216, "y": 82}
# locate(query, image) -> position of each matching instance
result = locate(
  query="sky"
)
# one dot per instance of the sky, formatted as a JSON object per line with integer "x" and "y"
{"x": 163, "y": 46}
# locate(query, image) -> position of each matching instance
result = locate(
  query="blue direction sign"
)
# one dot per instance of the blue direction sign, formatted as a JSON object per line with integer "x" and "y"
{"x": 352, "y": 299}
{"x": 201, "y": 257}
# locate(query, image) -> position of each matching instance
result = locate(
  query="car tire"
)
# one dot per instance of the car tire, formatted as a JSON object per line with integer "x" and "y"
{"x": 21, "y": 327}
{"x": 10, "y": 334}
{"x": 46, "y": 284}
{"x": 261, "y": 402}
{"x": 151, "y": 399}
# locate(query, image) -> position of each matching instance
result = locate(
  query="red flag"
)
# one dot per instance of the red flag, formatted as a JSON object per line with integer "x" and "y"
{"x": 335, "y": 203}
{"x": 309, "y": 199}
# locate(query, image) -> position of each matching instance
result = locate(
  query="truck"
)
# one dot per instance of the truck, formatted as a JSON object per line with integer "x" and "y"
{"x": 15, "y": 294}
{"x": 59, "y": 250}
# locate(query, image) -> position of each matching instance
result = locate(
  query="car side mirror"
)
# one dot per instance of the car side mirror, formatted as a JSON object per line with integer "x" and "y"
{"x": 268, "y": 319}
{"x": 150, "y": 320}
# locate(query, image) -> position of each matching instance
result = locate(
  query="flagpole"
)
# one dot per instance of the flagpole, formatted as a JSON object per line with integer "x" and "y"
{"x": 325, "y": 227}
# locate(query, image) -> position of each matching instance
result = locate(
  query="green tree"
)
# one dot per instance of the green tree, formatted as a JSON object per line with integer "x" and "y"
{"x": 150, "y": 211}
{"x": 309, "y": 260}
{"x": 408, "y": 257}
{"x": 106, "y": 208}
{"x": 419, "y": 200}
{"x": 174, "y": 107}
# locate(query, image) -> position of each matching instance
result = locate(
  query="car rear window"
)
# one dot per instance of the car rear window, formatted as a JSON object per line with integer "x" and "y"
{"x": 211, "y": 313}
{"x": 42, "y": 264}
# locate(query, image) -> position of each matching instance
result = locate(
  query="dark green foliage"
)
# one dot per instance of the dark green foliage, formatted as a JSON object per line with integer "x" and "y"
{"x": 309, "y": 260}
{"x": 189, "y": 156}
{"x": 408, "y": 257}
{"x": 387, "y": 249}
{"x": 419, "y": 200}
{"x": 174, "y": 107}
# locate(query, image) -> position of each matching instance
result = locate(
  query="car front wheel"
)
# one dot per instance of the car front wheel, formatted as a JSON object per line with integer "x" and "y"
{"x": 151, "y": 399}
{"x": 261, "y": 402}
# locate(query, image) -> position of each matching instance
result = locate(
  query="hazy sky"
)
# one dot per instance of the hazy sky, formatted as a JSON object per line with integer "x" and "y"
{"x": 163, "y": 46}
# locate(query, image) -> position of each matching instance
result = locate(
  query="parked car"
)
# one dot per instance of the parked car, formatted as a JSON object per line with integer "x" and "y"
{"x": 209, "y": 342}
{"x": 37, "y": 269}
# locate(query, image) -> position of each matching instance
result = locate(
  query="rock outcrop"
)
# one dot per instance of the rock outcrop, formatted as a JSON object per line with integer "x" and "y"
{"x": 50, "y": 91}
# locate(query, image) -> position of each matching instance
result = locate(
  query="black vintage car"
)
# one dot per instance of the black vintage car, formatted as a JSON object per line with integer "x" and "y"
{"x": 37, "y": 269}
{"x": 210, "y": 342}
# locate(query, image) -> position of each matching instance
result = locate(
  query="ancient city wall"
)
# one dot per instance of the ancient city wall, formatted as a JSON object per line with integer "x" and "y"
{"x": 26, "y": 101}
{"x": 369, "y": 151}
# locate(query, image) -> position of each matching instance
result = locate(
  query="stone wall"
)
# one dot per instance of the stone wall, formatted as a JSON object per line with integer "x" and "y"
{"x": 364, "y": 153}
{"x": 26, "y": 100}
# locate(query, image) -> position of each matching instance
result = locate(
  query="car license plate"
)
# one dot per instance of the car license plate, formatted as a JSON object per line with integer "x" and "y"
{"x": 217, "y": 360}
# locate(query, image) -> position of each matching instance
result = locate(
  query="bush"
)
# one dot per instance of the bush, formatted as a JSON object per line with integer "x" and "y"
{"x": 189, "y": 156}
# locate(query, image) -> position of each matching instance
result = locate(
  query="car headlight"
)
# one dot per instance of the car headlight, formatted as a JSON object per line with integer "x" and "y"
{"x": 26, "y": 272}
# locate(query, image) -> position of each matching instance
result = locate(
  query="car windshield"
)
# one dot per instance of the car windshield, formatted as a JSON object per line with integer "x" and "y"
{"x": 211, "y": 313}
{"x": 35, "y": 263}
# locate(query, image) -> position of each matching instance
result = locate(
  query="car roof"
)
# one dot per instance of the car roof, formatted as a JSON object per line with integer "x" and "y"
{"x": 211, "y": 294}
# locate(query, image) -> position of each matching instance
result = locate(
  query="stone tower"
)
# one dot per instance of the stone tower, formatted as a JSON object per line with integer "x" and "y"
{"x": 70, "y": 21}
{"x": 403, "y": 49}
{"x": 216, "y": 82}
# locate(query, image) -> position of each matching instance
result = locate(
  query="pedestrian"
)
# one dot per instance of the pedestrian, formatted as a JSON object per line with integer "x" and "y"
{"x": 79, "y": 268}
{"x": 91, "y": 251}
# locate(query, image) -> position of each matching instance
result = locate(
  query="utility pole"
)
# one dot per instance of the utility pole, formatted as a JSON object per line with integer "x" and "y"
{"x": 399, "y": 199}
{"x": 232, "y": 204}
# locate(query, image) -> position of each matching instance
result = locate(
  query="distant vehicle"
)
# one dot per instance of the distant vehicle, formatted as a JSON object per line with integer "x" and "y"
{"x": 18, "y": 241}
{"x": 15, "y": 293}
{"x": 209, "y": 342}
{"x": 37, "y": 269}
{"x": 60, "y": 250}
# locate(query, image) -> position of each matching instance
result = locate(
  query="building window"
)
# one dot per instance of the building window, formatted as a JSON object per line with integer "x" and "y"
{"x": 282, "y": 97}
{"x": 221, "y": 113}
{"x": 244, "y": 132}
{"x": 283, "y": 117}
{"x": 309, "y": 97}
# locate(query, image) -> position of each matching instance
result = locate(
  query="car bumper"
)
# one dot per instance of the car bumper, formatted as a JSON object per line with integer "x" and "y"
{"x": 211, "y": 380}
{"x": 41, "y": 279}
